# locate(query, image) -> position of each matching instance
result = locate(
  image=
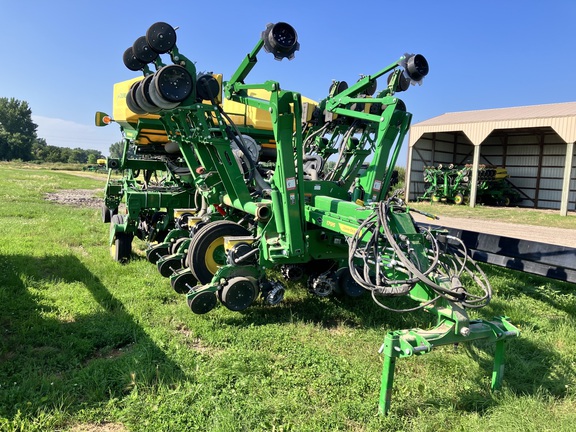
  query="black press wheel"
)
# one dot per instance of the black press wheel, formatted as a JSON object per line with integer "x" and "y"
{"x": 239, "y": 293}
{"x": 203, "y": 302}
{"x": 161, "y": 37}
{"x": 156, "y": 252}
{"x": 142, "y": 51}
{"x": 183, "y": 282}
{"x": 143, "y": 96}
{"x": 173, "y": 83}
{"x": 131, "y": 101}
{"x": 169, "y": 265}
{"x": 131, "y": 62}
{"x": 107, "y": 213}
{"x": 206, "y": 252}
{"x": 121, "y": 249}
{"x": 158, "y": 100}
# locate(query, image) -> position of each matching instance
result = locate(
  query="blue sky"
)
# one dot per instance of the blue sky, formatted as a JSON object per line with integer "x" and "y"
{"x": 63, "y": 57}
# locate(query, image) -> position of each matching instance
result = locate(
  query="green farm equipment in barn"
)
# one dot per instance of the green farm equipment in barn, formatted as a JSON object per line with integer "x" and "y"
{"x": 452, "y": 184}
{"x": 256, "y": 158}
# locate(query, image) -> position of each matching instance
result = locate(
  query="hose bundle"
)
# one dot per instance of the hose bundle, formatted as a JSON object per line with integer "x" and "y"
{"x": 391, "y": 265}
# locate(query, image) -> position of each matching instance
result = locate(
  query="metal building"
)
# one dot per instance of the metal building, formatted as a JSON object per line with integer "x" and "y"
{"x": 534, "y": 143}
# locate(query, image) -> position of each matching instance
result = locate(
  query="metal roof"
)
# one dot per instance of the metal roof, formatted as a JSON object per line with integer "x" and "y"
{"x": 477, "y": 125}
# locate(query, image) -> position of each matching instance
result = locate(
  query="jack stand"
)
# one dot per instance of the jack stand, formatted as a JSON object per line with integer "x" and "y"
{"x": 405, "y": 343}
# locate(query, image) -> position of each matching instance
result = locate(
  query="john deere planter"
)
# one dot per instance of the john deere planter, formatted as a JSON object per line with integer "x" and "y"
{"x": 255, "y": 177}
{"x": 452, "y": 184}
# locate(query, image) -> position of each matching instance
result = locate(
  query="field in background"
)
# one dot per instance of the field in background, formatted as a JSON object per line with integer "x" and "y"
{"x": 89, "y": 344}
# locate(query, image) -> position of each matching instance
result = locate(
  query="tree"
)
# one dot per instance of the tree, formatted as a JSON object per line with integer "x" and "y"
{"x": 116, "y": 150}
{"x": 77, "y": 156}
{"x": 17, "y": 130}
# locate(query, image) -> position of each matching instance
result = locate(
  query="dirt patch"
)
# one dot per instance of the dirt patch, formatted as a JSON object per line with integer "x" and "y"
{"x": 76, "y": 197}
{"x": 102, "y": 427}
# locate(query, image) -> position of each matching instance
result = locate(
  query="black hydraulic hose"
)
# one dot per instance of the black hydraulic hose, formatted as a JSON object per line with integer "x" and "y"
{"x": 453, "y": 265}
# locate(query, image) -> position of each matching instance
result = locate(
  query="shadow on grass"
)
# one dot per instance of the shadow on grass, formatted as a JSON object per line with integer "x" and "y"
{"x": 531, "y": 368}
{"x": 332, "y": 312}
{"x": 49, "y": 359}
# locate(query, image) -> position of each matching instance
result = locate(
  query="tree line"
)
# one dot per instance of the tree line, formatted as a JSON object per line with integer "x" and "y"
{"x": 18, "y": 138}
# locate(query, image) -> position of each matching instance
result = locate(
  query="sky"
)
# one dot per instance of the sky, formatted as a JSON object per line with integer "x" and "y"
{"x": 63, "y": 57}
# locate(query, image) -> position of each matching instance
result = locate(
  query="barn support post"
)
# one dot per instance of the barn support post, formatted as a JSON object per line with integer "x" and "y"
{"x": 474, "y": 181}
{"x": 566, "y": 182}
{"x": 408, "y": 175}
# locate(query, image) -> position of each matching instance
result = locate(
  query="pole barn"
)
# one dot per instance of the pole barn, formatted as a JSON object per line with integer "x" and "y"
{"x": 534, "y": 143}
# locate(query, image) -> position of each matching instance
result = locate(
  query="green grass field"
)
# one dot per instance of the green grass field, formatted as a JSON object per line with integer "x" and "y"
{"x": 90, "y": 345}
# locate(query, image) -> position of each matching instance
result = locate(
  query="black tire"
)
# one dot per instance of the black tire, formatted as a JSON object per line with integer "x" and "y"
{"x": 161, "y": 37}
{"x": 131, "y": 102}
{"x": 106, "y": 214}
{"x": 239, "y": 293}
{"x": 142, "y": 102}
{"x": 143, "y": 96}
{"x": 203, "y": 302}
{"x": 183, "y": 282}
{"x": 142, "y": 51}
{"x": 169, "y": 265}
{"x": 173, "y": 83}
{"x": 206, "y": 251}
{"x": 121, "y": 249}
{"x": 155, "y": 253}
{"x": 131, "y": 62}
{"x": 158, "y": 100}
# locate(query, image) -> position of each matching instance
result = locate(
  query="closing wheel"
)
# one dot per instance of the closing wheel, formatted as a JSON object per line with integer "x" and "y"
{"x": 156, "y": 252}
{"x": 202, "y": 303}
{"x": 346, "y": 284}
{"x": 158, "y": 100}
{"x": 107, "y": 213}
{"x": 122, "y": 247}
{"x": 131, "y": 101}
{"x": 161, "y": 37}
{"x": 131, "y": 62}
{"x": 142, "y": 98}
{"x": 142, "y": 50}
{"x": 239, "y": 293}
{"x": 206, "y": 252}
{"x": 459, "y": 199}
{"x": 173, "y": 83}
{"x": 435, "y": 198}
{"x": 183, "y": 282}
{"x": 169, "y": 265}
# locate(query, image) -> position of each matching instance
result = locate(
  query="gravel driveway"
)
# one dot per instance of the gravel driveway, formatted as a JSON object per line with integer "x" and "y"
{"x": 557, "y": 236}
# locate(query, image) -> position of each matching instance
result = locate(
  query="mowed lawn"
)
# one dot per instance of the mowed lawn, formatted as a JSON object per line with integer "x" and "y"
{"x": 87, "y": 344}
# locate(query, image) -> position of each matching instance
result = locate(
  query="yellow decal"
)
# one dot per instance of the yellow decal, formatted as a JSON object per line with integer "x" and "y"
{"x": 347, "y": 229}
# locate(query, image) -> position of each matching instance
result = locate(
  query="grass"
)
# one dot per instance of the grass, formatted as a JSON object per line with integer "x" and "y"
{"x": 89, "y": 344}
{"x": 523, "y": 216}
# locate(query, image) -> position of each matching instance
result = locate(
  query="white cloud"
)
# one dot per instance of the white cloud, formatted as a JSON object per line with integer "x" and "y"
{"x": 66, "y": 133}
